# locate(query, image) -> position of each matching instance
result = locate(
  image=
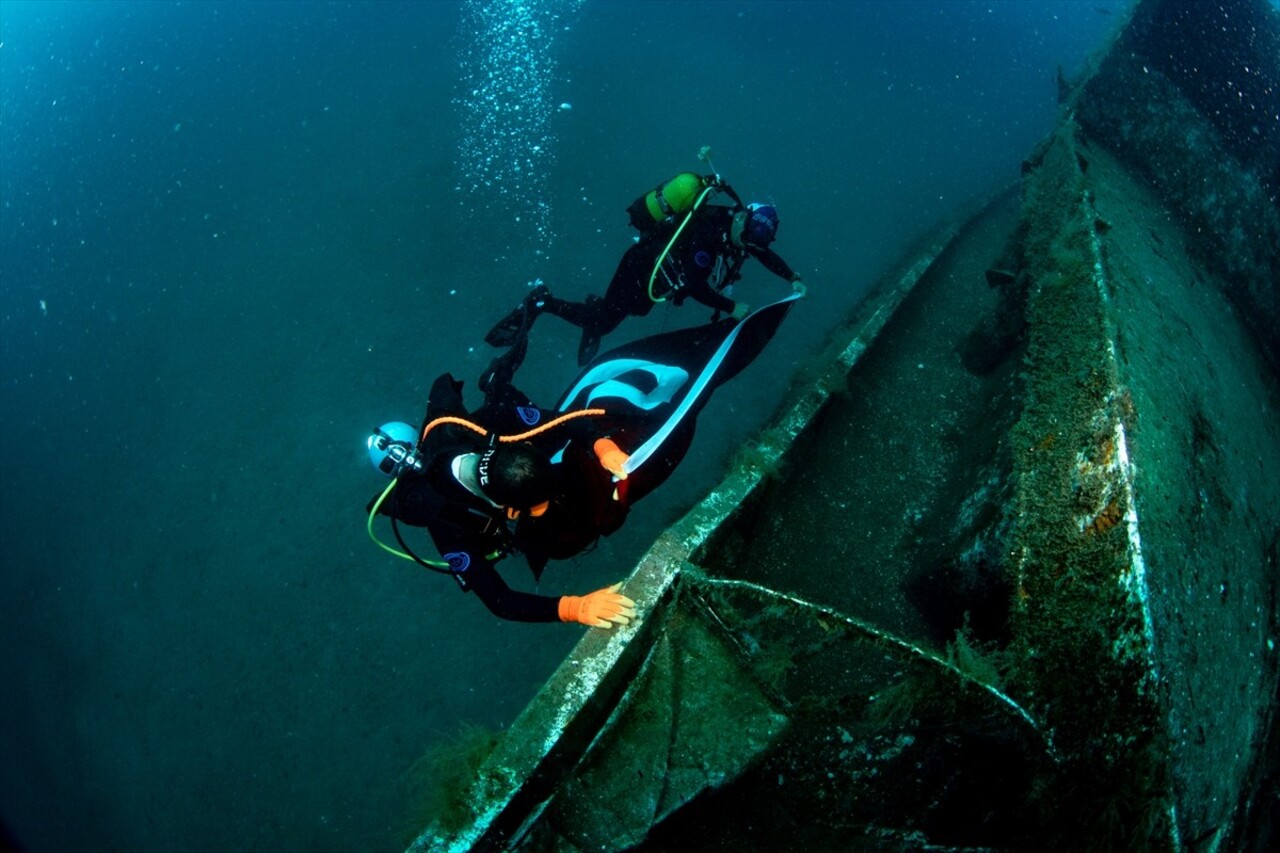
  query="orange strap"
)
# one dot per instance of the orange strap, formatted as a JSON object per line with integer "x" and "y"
{"x": 555, "y": 422}
{"x": 450, "y": 420}
{"x": 506, "y": 439}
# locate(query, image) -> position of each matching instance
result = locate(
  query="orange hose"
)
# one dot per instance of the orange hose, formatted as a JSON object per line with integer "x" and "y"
{"x": 551, "y": 423}
{"x": 449, "y": 419}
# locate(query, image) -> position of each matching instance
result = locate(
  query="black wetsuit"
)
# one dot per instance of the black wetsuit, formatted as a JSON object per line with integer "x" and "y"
{"x": 645, "y": 396}
{"x": 468, "y": 531}
{"x": 702, "y": 263}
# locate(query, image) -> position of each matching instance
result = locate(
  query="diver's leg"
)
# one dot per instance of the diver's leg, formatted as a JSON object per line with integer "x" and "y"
{"x": 580, "y": 314}
{"x": 626, "y": 296}
{"x": 505, "y": 408}
{"x": 595, "y": 316}
{"x": 606, "y": 317}
{"x": 498, "y": 375}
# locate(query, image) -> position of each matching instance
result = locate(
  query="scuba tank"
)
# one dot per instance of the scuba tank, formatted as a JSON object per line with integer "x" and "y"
{"x": 668, "y": 201}
{"x": 676, "y": 199}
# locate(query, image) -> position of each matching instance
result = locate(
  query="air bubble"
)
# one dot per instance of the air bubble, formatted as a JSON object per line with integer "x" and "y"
{"x": 508, "y": 70}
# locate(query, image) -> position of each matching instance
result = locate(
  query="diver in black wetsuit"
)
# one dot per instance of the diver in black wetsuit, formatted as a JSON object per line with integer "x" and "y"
{"x": 548, "y": 483}
{"x": 482, "y": 498}
{"x": 702, "y": 261}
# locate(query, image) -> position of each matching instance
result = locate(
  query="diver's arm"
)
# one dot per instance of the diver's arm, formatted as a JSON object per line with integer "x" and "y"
{"x": 504, "y": 602}
{"x": 774, "y": 263}
{"x": 603, "y": 608}
{"x": 701, "y": 291}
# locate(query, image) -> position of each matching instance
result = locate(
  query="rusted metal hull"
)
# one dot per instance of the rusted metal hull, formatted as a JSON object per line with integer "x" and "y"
{"x": 1002, "y": 573}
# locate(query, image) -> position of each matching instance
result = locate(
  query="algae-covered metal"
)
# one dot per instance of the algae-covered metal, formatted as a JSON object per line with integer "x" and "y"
{"x": 550, "y": 740}
{"x": 1004, "y": 572}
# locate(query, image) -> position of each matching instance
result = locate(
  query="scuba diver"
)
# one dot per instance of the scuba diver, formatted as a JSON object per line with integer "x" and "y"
{"x": 687, "y": 248}
{"x": 482, "y": 495}
{"x": 512, "y": 477}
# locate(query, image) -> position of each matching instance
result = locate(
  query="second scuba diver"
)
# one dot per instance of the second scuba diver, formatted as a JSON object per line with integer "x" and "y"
{"x": 687, "y": 249}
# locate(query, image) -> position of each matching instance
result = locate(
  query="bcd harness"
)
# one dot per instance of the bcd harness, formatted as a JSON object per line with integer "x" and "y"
{"x": 689, "y": 187}
{"x": 445, "y": 566}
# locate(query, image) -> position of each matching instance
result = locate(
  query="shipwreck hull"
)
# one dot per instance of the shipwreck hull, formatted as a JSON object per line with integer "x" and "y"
{"x": 1002, "y": 573}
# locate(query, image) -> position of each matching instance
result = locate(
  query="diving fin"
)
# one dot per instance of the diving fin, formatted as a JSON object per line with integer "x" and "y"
{"x": 508, "y": 330}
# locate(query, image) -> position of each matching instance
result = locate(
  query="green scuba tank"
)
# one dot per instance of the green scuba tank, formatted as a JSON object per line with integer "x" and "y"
{"x": 667, "y": 201}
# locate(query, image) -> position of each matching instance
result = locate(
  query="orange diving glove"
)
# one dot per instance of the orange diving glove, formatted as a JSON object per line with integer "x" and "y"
{"x": 611, "y": 457}
{"x": 598, "y": 609}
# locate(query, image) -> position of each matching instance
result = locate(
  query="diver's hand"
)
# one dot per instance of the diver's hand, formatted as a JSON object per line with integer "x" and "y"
{"x": 603, "y": 608}
{"x": 740, "y": 310}
{"x": 612, "y": 458}
{"x": 797, "y": 286}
